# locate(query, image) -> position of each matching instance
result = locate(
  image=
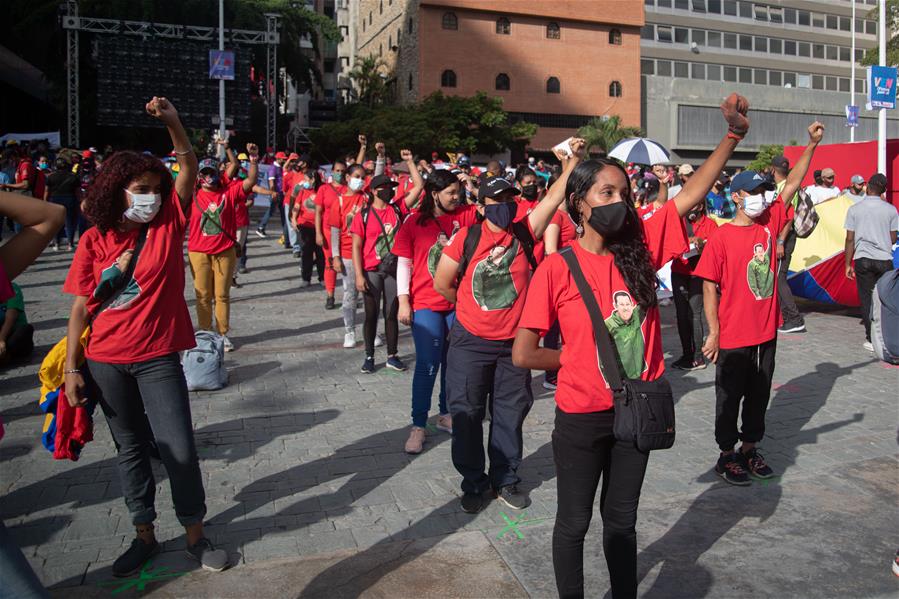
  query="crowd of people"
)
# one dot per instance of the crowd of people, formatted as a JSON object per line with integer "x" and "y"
{"x": 476, "y": 262}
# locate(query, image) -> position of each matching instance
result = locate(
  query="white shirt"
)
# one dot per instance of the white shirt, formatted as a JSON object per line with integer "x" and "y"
{"x": 674, "y": 190}
{"x": 819, "y": 193}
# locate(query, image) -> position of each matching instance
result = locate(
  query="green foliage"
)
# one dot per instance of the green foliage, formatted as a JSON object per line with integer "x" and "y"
{"x": 369, "y": 80}
{"x": 764, "y": 157}
{"x": 477, "y": 124}
{"x": 603, "y": 134}
{"x": 872, "y": 56}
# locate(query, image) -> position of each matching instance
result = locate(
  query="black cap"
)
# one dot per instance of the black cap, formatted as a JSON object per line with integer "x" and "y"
{"x": 304, "y": 158}
{"x": 780, "y": 162}
{"x": 878, "y": 180}
{"x": 492, "y": 187}
{"x": 380, "y": 181}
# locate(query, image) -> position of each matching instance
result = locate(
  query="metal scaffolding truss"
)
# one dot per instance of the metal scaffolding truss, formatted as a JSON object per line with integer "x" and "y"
{"x": 73, "y": 23}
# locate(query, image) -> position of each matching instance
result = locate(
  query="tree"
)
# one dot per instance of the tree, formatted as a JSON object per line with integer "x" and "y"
{"x": 872, "y": 56}
{"x": 369, "y": 80}
{"x": 765, "y": 155}
{"x": 477, "y": 124}
{"x": 604, "y": 133}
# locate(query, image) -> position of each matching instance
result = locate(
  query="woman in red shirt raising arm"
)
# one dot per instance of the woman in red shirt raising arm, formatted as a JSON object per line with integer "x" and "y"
{"x": 619, "y": 254}
{"x": 132, "y": 351}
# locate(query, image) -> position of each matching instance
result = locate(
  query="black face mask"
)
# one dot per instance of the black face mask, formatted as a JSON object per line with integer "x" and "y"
{"x": 612, "y": 221}
{"x": 385, "y": 194}
{"x": 501, "y": 215}
{"x": 529, "y": 192}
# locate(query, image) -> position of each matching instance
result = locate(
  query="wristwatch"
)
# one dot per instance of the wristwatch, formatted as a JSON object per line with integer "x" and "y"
{"x": 780, "y": 242}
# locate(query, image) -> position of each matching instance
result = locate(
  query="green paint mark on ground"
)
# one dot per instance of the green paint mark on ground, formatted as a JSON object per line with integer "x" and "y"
{"x": 765, "y": 482}
{"x": 513, "y": 525}
{"x": 144, "y": 577}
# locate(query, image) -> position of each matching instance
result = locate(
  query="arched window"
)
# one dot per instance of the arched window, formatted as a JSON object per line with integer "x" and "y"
{"x": 615, "y": 89}
{"x": 552, "y": 31}
{"x": 502, "y": 82}
{"x": 503, "y": 26}
{"x": 410, "y": 82}
{"x": 448, "y": 79}
{"x": 615, "y": 37}
{"x": 553, "y": 86}
{"x": 450, "y": 21}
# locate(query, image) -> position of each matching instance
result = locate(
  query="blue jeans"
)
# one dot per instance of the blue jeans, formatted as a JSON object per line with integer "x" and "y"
{"x": 71, "y": 226}
{"x": 429, "y": 332}
{"x": 274, "y": 206}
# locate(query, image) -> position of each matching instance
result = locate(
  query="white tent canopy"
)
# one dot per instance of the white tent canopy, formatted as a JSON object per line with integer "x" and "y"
{"x": 51, "y": 136}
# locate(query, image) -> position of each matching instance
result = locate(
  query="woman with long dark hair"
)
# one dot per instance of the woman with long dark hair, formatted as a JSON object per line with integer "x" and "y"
{"x": 303, "y": 200}
{"x": 132, "y": 351}
{"x": 619, "y": 254}
{"x": 419, "y": 245}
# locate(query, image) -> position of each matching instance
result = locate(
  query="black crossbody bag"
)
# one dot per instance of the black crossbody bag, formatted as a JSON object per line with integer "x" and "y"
{"x": 644, "y": 410}
{"x": 238, "y": 248}
{"x": 389, "y": 262}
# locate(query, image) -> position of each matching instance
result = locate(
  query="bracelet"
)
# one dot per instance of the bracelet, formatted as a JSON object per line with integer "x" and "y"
{"x": 735, "y": 136}
{"x": 72, "y": 371}
{"x": 184, "y": 153}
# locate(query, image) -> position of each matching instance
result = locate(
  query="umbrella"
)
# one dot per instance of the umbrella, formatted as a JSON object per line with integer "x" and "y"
{"x": 640, "y": 150}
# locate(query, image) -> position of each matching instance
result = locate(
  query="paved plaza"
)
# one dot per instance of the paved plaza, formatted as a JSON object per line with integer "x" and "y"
{"x": 309, "y": 489}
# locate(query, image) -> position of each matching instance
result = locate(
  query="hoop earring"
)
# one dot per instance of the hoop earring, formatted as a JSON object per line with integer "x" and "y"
{"x": 579, "y": 230}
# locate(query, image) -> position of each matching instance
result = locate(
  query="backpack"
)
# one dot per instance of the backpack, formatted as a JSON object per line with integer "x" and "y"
{"x": 805, "y": 217}
{"x": 204, "y": 365}
{"x": 885, "y": 317}
{"x": 519, "y": 230}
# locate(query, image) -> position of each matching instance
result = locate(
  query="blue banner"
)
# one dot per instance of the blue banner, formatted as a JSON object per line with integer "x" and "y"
{"x": 882, "y": 87}
{"x": 852, "y": 116}
{"x": 221, "y": 64}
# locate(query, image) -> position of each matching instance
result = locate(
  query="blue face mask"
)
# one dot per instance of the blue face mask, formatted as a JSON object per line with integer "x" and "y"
{"x": 502, "y": 214}
{"x": 306, "y": 184}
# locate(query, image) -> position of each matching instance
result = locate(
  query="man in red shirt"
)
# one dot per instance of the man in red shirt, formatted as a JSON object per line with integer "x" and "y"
{"x": 741, "y": 261}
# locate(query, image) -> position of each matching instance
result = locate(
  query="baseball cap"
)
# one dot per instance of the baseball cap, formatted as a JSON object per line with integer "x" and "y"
{"x": 750, "y": 181}
{"x": 209, "y": 163}
{"x": 293, "y": 156}
{"x": 464, "y": 161}
{"x": 380, "y": 181}
{"x": 281, "y": 156}
{"x": 242, "y": 156}
{"x": 493, "y": 186}
{"x": 369, "y": 165}
{"x": 857, "y": 180}
{"x": 685, "y": 169}
{"x": 780, "y": 162}
{"x": 87, "y": 154}
{"x": 827, "y": 173}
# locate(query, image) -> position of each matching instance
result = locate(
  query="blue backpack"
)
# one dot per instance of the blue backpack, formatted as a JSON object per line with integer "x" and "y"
{"x": 204, "y": 365}
{"x": 885, "y": 318}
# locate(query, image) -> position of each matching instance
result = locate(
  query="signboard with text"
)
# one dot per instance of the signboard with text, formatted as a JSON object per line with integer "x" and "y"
{"x": 221, "y": 64}
{"x": 881, "y": 87}
{"x": 851, "y": 116}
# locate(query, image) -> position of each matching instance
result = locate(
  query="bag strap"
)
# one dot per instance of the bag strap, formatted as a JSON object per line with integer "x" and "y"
{"x": 608, "y": 362}
{"x": 689, "y": 226}
{"x": 523, "y": 234}
{"x": 126, "y": 278}
{"x": 472, "y": 238}
{"x": 218, "y": 225}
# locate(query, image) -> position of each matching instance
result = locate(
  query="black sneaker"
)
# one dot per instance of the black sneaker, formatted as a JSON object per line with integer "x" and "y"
{"x": 730, "y": 468}
{"x": 755, "y": 463}
{"x": 261, "y": 233}
{"x": 513, "y": 497}
{"x": 368, "y": 366}
{"x": 472, "y": 503}
{"x": 134, "y": 558}
{"x": 394, "y": 363}
{"x": 687, "y": 363}
{"x": 212, "y": 559}
{"x": 792, "y": 327}
{"x": 329, "y": 303}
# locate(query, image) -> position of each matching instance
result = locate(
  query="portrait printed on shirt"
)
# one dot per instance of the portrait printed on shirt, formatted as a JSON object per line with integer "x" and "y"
{"x": 110, "y": 279}
{"x": 626, "y": 329}
{"x": 309, "y": 203}
{"x": 211, "y": 222}
{"x": 436, "y": 250}
{"x": 384, "y": 243}
{"x": 759, "y": 274}
{"x": 491, "y": 282}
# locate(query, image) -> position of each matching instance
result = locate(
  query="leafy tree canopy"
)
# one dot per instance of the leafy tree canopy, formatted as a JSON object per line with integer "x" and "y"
{"x": 603, "y": 134}
{"x": 765, "y": 155}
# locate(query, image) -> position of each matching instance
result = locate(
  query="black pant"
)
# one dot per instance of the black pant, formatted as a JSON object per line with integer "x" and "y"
{"x": 744, "y": 373}
{"x": 19, "y": 344}
{"x": 867, "y": 272}
{"x": 312, "y": 253}
{"x": 381, "y": 288}
{"x": 788, "y": 308}
{"x": 476, "y": 367}
{"x": 142, "y": 402}
{"x": 585, "y": 449}
{"x": 690, "y": 318}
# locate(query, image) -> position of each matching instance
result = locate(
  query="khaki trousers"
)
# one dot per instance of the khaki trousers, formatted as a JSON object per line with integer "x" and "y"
{"x": 212, "y": 277}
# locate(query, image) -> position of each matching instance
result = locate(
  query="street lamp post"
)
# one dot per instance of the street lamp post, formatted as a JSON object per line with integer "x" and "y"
{"x": 221, "y": 81}
{"x": 882, "y": 113}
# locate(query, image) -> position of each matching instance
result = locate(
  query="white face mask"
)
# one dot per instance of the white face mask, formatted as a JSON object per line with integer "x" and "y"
{"x": 754, "y": 205}
{"x": 144, "y": 207}
{"x": 356, "y": 184}
{"x": 770, "y": 196}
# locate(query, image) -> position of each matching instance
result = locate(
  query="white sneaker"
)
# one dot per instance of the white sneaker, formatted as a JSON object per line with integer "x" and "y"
{"x": 379, "y": 341}
{"x": 349, "y": 340}
{"x": 867, "y": 345}
{"x": 228, "y": 345}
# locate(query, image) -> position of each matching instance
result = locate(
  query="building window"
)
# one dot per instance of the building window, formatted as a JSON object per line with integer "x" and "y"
{"x": 369, "y": 17}
{"x": 553, "y": 86}
{"x": 410, "y": 25}
{"x": 380, "y": 49}
{"x": 363, "y": 25}
{"x": 448, "y": 79}
{"x": 681, "y": 70}
{"x": 647, "y": 67}
{"x": 681, "y": 35}
{"x": 663, "y": 33}
{"x": 450, "y": 21}
{"x": 663, "y": 68}
{"x": 502, "y": 82}
{"x": 615, "y": 89}
{"x": 615, "y": 37}
{"x": 503, "y": 26}
{"x": 381, "y": 9}
{"x": 552, "y": 31}
{"x": 390, "y": 41}
{"x": 329, "y": 65}
{"x": 410, "y": 82}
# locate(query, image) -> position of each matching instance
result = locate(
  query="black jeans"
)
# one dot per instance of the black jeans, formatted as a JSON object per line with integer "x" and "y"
{"x": 476, "y": 367}
{"x": 312, "y": 254}
{"x": 381, "y": 288}
{"x": 743, "y": 374}
{"x": 552, "y": 340}
{"x": 867, "y": 272}
{"x": 690, "y": 317}
{"x": 788, "y": 308}
{"x": 143, "y": 401}
{"x": 584, "y": 450}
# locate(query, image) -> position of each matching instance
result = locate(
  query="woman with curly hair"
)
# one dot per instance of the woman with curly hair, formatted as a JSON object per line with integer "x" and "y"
{"x": 619, "y": 254}
{"x": 132, "y": 351}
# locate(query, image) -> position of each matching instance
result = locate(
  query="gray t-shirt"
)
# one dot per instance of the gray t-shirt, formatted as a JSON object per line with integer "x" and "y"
{"x": 872, "y": 220}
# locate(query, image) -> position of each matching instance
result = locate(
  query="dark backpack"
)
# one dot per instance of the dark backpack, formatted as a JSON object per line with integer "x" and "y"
{"x": 389, "y": 262}
{"x": 519, "y": 230}
{"x": 805, "y": 217}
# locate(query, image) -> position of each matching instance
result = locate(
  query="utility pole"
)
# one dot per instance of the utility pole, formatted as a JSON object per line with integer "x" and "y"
{"x": 852, "y": 77}
{"x": 882, "y": 114}
{"x": 221, "y": 150}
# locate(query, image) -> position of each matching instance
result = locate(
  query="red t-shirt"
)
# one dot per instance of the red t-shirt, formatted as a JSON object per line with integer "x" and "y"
{"x": 289, "y": 179}
{"x": 743, "y": 262}
{"x": 213, "y": 222}
{"x": 343, "y": 209}
{"x": 637, "y": 334}
{"x": 423, "y": 244}
{"x": 306, "y": 199}
{"x": 26, "y": 172}
{"x": 491, "y": 295}
{"x": 150, "y": 318}
{"x": 324, "y": 197}
{"x": 376, "y": 243}
{"x": 703, "y": 228}
{"x": 646, "y": 211}
{"x": 567, "y": 230}
{"x": 241, "y": 212}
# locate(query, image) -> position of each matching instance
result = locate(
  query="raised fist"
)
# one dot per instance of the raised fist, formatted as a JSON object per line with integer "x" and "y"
{"x": 734, "y": 109}
{"x": 406, "y": 155}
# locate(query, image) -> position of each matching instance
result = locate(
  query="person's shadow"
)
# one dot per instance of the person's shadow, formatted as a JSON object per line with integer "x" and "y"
{"x": 721, "y": 507}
